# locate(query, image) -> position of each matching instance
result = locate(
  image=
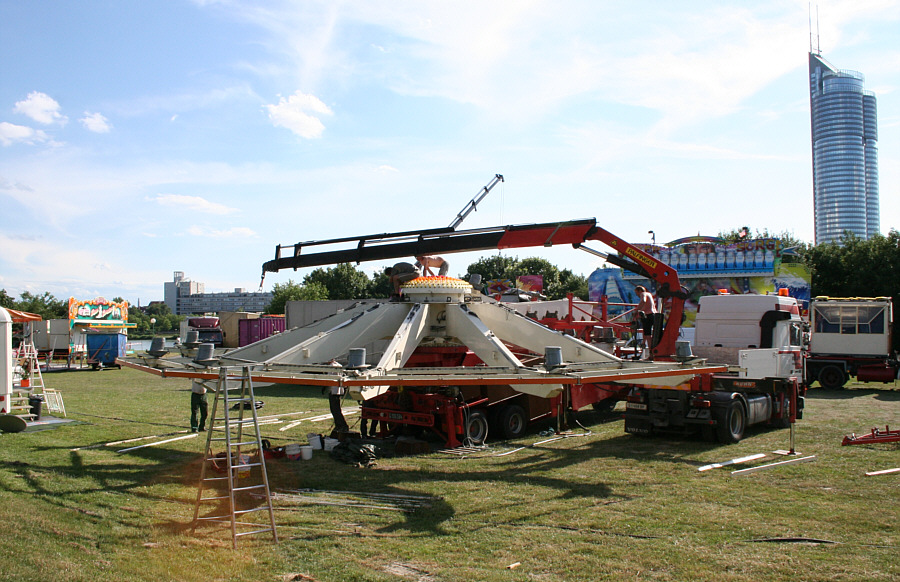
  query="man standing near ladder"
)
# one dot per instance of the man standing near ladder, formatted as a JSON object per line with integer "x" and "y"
{"x": 198, "y": 404}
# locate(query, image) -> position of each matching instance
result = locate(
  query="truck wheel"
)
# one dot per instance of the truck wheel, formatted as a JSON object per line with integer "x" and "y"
{"x": 476, "y": 427}
{"x": 732, "y": 420}
{"x": 512, "y": 421}
{"x": 832, "y": 378}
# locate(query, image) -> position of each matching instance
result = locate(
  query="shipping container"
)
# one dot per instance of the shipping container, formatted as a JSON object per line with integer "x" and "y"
{"x": 253, "y": 330}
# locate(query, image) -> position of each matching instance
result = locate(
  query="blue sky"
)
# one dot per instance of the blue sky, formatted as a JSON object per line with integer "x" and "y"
{"x": 142, "y": 138}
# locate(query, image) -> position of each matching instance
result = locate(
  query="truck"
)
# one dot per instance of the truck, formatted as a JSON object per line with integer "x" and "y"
{"x": 760, "y": 337}
{"x": 850, "y": 337}
{"x": 207, "y": 328}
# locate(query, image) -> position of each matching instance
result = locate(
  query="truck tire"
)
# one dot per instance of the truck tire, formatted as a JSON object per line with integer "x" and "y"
{"x": 512, "y": 421}
{"x": 732, "y": 421}
{"x": 832, "y": 377}
{"x": 476, "y": 427}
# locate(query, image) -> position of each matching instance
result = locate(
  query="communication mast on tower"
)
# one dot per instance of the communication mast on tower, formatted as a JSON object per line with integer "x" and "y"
{"x": 814, "y": 47}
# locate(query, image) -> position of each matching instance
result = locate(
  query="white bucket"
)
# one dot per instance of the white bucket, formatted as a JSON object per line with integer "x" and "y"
{"x": 330, "y": 443}
{"x": 292, "y": 451}
{"x": 306, "y": 453}
{"x": 315, "y": 440}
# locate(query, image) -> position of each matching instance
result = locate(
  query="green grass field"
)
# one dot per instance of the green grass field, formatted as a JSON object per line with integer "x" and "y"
{"x": 604, "y": 506}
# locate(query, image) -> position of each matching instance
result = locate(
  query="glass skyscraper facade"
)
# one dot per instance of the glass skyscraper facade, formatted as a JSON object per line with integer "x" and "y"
{"x": 844, "y": 152}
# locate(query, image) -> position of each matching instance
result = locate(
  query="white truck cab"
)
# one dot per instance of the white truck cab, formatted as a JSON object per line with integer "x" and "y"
{"x": 762, "y": 334}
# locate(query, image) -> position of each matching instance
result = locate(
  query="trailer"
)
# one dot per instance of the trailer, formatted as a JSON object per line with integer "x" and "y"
{"x": 850, "y": 337}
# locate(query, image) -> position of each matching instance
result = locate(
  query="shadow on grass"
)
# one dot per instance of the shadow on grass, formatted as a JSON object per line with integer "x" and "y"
{"x": 887, "y": 395}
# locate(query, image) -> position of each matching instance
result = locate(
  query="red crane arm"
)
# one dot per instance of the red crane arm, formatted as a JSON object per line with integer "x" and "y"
{"x": 446, "y": 240}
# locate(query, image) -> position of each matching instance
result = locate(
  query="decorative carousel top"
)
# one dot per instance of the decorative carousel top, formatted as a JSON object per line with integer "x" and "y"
{"x": 436, "y": 289}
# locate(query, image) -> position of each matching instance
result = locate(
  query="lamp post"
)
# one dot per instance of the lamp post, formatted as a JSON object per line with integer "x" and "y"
{"x": 153, "y": 323}
{"x": 652, "y": 236}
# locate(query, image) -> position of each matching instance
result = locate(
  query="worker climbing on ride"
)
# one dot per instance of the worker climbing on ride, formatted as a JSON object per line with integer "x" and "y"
{"x": 398, "y": 274}
{"x": 429, "y": 263}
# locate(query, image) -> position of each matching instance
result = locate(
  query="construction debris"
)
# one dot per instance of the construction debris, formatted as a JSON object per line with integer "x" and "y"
{"x": 770, "y": 465}
{"x": 187, "y": 436}
{"x": 737, "y": 461}
{"x": 883, "y": 472}
{"x": 876, "y": 436}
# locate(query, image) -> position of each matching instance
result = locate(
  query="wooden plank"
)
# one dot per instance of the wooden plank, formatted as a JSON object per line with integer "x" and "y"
{"x": 778, "y": 464}
{"x": 883, "y": 472}
{"x": 737, "y": 461}
{"x": 187, "y": 436}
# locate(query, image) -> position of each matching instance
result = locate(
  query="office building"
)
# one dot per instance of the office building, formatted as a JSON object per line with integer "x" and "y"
{"x": 185, "y": 297}
{"x": 844, "y": 152}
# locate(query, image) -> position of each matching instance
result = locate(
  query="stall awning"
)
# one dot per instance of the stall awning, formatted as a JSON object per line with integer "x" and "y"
{"x": 23, "y": 316}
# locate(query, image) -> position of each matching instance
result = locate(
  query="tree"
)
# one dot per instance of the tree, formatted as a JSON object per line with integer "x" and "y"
{"x": 380, "y": 285}
{"x": 341, "y": 282}
{"x": 495, "y": 267}
{"x": 853, "y": 267}
{"x": 6, "y": 300}
{"x": 569, "y": 282}
{"x": 291, "y": 291}
{"x": 46, "y": 305}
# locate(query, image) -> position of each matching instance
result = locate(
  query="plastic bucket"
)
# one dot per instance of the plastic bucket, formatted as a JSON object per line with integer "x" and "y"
{"x": 329, "y": 443}
{"x": 306, "y": 453}
{"x": 315, "y": 440}
{"x": 292, "y": 451}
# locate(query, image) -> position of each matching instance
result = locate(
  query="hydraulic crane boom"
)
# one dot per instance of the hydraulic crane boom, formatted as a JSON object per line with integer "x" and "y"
{"x": 446, "y": 240}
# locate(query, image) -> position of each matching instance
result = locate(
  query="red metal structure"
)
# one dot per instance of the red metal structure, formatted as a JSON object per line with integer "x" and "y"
{"x": 876, "y": 436}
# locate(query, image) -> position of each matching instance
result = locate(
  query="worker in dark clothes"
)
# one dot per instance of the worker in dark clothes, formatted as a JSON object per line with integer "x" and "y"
{"x": 427, "y": 264}
{"x": 198, "y": 405}
{"x": 401, "y": 273}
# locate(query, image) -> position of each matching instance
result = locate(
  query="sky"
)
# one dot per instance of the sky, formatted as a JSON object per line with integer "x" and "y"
{"x": 142, "y": 138}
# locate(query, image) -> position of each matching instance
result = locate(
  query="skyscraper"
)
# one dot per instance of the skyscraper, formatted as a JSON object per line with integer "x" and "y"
{"x": 844, "y": 152}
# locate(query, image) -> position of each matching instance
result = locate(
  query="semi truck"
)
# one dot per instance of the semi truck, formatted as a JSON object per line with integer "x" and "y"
{"x": 760, "y": 338}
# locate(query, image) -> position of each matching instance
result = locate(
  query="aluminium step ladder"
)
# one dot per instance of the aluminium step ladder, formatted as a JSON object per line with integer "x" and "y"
{"x": 234, "y": 480}
{"x": 31, "y": 383}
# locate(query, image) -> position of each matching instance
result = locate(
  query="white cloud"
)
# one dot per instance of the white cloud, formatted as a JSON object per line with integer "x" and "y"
{"x": 10, "y": 134}
{"x": 41, "y": 108}
{"x": 236, "y": 232}
{"x": 296, "y": 113}
{"x": 193, "y": 204}
{"x": 95, "y": 122}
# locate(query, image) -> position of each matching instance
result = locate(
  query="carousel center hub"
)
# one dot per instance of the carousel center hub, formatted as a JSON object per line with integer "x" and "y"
{"x": 436, "y": 290}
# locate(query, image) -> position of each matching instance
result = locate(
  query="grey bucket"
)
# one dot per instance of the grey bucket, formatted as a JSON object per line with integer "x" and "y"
{"x": 356, "y": 358}
{"x": 157, "y": 347}
{"x": 204, "y": 354}
{"x": 552, "y": 356}
{"x": 683, "y": 349}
